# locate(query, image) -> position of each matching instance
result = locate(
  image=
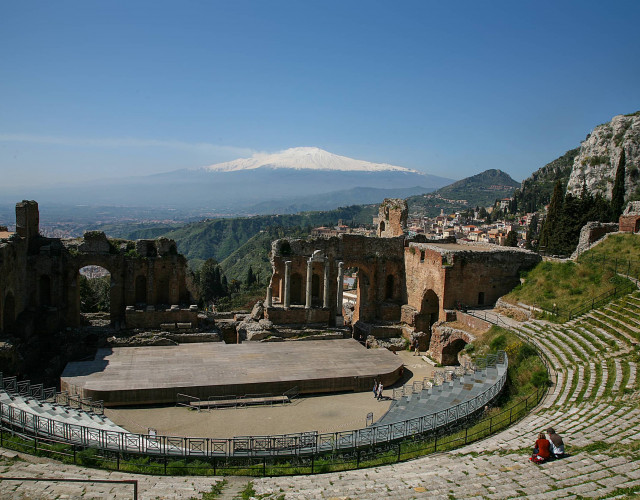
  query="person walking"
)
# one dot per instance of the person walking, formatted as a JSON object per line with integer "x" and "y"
{"x": 375, "y": 388}
{"x": 380, "y": 389}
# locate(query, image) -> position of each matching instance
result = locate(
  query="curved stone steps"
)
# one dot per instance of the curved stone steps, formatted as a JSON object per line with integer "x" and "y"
{"x": 602, "y": 323}
{"x": 625, "y": 321}
{"x": 596, "y": 331}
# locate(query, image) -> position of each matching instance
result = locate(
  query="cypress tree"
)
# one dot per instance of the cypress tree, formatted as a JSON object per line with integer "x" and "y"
{"x": 511, "y": 240}
{"x": 549, "y": 235}
{"x": 617, "y": 195}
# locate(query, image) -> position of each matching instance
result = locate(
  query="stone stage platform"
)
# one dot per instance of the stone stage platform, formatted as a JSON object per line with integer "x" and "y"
{"x": 155, "y": 375}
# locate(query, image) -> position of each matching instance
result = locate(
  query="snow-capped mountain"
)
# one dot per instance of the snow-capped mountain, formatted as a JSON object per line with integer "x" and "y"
{"x": 305, "y": 158}
{"x": 302, "y": 177}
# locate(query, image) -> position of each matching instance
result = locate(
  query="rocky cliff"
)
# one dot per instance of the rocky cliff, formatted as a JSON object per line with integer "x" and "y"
{"x": 597, "y": 160}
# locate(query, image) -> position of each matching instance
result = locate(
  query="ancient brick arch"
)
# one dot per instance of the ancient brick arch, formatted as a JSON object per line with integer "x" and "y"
{"x": 446, "y": 343}
{"x": 41, "y": 276}
{"x": 429, "y": 311}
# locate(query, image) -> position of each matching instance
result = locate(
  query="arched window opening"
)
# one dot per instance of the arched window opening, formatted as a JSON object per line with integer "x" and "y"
{"x": 141, "y": 290}
{"x": 480, "y": 298}
{"x": 381, "y": 226}
{"x": 421, "y": 255}
{"x": 296, "y": 289}
{"x": 95, "y": 289}
{"x": 450, "y": 352}
{"x": 315, "y": 289}
{"x": 388, "y": 295}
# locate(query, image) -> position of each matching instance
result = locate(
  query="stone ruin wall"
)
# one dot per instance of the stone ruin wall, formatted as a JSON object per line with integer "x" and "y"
{"x": 392, "y": 218}
{"x": 376, "y": 258}
{"x": 492, "y": 273}
{"x": 39, "y": 276}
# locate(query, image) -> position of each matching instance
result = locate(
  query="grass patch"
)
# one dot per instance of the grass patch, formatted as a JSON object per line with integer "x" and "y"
{"x": 565, "y": 286}
{"x": 526, "y": 371}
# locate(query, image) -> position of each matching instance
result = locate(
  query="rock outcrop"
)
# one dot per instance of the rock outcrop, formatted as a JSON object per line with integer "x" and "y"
{"x": 596, "y": 163}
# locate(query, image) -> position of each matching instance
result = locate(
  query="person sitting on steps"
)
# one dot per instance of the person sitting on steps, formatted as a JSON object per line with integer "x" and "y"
{"x": 557, "y": 445}
{"x": 541, "y": 450}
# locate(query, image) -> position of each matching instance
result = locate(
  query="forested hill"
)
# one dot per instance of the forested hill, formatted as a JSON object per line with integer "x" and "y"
{"x": 478, "y": 190}
{"x": 219, "y": 238}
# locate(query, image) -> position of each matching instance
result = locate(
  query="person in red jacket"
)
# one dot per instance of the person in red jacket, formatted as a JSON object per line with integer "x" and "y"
{"x": 541, "y": 450}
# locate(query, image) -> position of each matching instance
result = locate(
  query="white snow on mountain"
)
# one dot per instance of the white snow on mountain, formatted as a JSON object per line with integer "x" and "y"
{"x": 305, "y": 158}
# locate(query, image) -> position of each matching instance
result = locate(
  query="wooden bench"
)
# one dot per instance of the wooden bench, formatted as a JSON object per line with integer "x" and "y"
{"x": 235, "y": 402}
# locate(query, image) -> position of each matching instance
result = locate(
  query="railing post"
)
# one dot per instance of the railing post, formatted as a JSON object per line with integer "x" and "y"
{"x": 399, "y": 445}
{"x": 358, "y": 460}
{"x": 264, "y": 466}
{"x": 165, "y": 465}
{"x": 118, "y": 460}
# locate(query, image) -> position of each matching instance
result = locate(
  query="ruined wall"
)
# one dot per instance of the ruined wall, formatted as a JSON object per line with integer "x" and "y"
{"x": 379, "y": 296}
{"x": 480, "y": 278}
{"x": 440, "y": 276}
{"x": 39, "y": 276}
{"x": 392, "y": 218}
{"x": 446, "y": 343}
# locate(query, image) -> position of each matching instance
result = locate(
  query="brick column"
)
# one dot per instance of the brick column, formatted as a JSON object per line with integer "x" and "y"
{"x": 287, "y": 284}
{"x": 325, "y": 296}
{"x": 307, "y": 304}
{"x": 269, "y": 297}
{"x": 340, "y": 282}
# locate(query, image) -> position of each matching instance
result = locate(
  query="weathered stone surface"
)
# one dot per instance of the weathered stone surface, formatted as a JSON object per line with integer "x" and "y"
{"x": 257, "y": 313}
{"x": 596, "y": 163}
{"x": 392, "y": 218}
{"x": 592, "y": 232}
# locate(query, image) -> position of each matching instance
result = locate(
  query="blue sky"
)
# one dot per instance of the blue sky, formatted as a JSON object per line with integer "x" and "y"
{"x": 105, "y": 89}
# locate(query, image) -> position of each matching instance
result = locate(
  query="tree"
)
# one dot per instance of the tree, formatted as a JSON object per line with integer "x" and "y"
{"x": 251, "y": 278}
{"x": 617, "y": 195}
{"x": 511, "y": 240}
{"x": 549, "y": 232}
{"x": 212, "y": 281}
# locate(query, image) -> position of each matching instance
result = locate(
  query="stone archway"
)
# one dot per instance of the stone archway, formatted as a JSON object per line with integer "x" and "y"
{"x": 389, "y": 288}
{"x": 276, "y": 288}
{"x": 141, "y": 289}
{"x": 95, "y": 290}
{"x": 315, "y": 290}
{"x": 296, "y": 289}
{"x": 429, "y": 311}
{"x": 451, "y": 350}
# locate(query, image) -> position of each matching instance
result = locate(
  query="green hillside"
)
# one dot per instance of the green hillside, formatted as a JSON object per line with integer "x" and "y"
{"x": 255, "y": 253}
{"x": 478, "y": 190}
{"x": 220, "y": 238}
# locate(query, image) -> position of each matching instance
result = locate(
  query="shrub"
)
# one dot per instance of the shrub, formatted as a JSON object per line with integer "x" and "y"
{"x": 540, "y": 378}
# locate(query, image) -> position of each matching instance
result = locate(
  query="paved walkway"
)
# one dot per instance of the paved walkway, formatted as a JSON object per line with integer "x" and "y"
{"x": 594, "y": 404}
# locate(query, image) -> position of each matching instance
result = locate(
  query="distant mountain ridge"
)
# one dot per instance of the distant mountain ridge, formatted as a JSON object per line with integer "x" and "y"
{"x": 478, "y": 190}
{"x": 235, "y": 187}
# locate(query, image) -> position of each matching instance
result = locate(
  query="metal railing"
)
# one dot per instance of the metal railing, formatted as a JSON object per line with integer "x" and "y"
{"x": 37, "y": 392}
{"x": 465, "y": 431}
{"x": 304, "y": 443}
